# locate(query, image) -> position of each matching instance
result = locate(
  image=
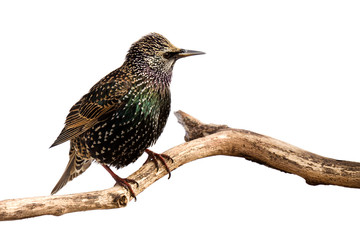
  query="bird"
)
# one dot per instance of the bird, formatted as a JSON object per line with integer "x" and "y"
{"x": 124, "y": 113}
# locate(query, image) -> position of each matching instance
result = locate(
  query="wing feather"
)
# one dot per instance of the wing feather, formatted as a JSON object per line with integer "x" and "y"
{"x": 103, "y": 98}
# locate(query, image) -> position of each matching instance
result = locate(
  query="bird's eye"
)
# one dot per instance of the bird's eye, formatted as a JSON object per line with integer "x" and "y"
{"x": 168, "y": 55}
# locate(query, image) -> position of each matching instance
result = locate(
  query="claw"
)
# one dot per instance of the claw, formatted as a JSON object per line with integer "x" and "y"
{"x": 125, "y": 182}
{"x": 150, "y": 159}
{"x": 154, "y": 156}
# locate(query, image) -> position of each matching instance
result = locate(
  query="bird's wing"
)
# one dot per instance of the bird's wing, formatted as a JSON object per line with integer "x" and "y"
{"x": 101, "y": 101}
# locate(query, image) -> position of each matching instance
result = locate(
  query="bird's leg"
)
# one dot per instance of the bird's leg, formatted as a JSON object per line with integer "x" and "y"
{"x": 122, "y": 181}
{"x": 153, "y": 156}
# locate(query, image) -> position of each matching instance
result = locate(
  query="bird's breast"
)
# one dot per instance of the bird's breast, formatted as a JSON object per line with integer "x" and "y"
{"x": 123, "y": 137}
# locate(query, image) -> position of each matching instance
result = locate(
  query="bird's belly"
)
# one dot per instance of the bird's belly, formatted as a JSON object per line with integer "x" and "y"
{"x": 119, "y": 143}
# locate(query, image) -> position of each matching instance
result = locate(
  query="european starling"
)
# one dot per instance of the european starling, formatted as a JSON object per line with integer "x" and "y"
{"x": 124, "y": 113}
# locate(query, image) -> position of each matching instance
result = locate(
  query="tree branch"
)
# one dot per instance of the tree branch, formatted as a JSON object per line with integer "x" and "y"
{"x": 203, "y": 140}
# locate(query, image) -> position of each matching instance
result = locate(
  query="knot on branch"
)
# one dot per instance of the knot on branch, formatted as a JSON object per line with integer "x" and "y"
{"x": 120, "y": 200}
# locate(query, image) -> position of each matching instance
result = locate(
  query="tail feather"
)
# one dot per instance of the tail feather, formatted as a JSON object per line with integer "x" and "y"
{"x": 74, "y": 168}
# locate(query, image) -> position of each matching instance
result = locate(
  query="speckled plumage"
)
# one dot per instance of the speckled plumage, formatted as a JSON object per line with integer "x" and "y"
{"x": 125, "y": 112}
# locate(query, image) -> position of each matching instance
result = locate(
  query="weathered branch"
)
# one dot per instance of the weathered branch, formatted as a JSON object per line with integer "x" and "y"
{"x": 203, "y": 140}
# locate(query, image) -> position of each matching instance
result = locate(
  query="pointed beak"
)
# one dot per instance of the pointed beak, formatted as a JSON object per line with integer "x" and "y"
{"x": 186, "y": 53}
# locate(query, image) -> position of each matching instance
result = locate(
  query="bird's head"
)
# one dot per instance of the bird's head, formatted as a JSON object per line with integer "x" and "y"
{"x": 155, "y": 52}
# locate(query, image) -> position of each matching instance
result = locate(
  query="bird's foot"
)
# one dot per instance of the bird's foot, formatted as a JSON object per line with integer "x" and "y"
{"x": 161, "y": 157}
{"x": 125, "y": 182}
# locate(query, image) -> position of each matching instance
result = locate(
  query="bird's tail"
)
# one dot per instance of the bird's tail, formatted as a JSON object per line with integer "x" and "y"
{"x": 75, "y": 167}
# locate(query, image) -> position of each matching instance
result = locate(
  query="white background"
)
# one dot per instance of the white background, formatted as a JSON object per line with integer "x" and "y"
{"x": 286, "y": 69}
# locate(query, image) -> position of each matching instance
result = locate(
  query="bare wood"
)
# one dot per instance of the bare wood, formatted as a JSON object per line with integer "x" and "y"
{"x": 203, "y": 140}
